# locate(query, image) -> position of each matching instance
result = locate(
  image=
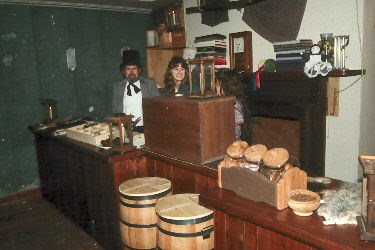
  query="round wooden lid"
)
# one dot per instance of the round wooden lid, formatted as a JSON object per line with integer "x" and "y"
{"x": 276, "y": 157}
{"x": 237, "y": 148}
{"x": 181, "y": 207}
{"x": 144, "y": 186}
{"x": 255, "y": 152}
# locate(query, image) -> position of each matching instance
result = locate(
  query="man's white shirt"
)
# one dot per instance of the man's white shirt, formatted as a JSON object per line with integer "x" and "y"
{"x": 133, "y": 103}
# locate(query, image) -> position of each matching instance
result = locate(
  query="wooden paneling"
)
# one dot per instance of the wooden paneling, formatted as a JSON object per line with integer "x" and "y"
{"x": 268, "y": 239}
{"x": 202, "y": 183}
{"x": 220, "y": 230}
{"x": 162, "y": 169}
{"x": 128, "y": 169}
{"x": 251, "y": 239}
{"x": 183, "y": 181}
{"x": 235, "y": 233}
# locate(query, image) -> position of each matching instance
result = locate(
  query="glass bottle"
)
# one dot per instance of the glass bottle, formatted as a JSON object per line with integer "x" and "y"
{"x": 326, "y": 45}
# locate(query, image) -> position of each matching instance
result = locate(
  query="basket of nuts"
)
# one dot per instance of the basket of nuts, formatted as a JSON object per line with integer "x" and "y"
{"x": 303, "y": 202}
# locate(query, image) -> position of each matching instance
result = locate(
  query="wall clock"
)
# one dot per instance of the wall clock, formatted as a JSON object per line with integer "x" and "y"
{"x": 240, "y": 51}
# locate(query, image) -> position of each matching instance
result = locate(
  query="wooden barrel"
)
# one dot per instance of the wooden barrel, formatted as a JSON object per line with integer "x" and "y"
{"x": 183, "y": 223}
{"x": 137, "y": 210}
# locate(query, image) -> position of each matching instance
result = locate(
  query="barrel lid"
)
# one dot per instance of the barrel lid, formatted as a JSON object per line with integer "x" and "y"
{"x": 181, "y": 207}
{"x": 144, "y": 186}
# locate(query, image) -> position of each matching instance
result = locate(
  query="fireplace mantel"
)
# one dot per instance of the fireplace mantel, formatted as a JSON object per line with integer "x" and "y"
{"x": 292, "y": 95}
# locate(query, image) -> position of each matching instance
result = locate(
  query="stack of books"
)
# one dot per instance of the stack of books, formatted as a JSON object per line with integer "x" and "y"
{"x": 212, "y": 46}
{"x": 292, "y": 55}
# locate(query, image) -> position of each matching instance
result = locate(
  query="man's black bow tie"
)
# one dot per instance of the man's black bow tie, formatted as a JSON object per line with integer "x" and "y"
{"x": 136, "y": 89}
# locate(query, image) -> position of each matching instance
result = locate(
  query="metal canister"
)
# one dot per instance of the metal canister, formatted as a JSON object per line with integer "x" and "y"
{"x": 340, "y": 43}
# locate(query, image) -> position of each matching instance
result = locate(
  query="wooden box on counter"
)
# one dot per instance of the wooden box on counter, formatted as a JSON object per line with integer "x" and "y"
{"x": 191, "y": 129}
{"x": 255, "y": 186}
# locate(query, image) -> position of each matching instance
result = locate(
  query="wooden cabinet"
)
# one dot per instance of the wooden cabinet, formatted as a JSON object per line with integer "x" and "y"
{"x": 82, "y": 181}
{"x": 157, "y": 62}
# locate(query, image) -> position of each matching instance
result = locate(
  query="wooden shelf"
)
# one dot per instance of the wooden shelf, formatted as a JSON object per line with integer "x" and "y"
{"x": 166, "y": 48}
{"x": 298, "y": 74}
{"x": 346, "y": 72}
{"x": 220, "y": 7}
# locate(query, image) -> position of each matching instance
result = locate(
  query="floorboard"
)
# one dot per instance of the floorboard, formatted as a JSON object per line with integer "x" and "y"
{"x": 37, "y": 224}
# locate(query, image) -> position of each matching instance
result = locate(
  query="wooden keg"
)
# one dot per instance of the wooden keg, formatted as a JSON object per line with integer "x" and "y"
{"x": 183, "y": 223}
{"x": 137, "y": 210}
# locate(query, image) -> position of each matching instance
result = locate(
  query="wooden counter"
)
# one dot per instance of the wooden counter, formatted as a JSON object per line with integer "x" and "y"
{"x": 244, "y": 224}
{"x": 82, "y": 181}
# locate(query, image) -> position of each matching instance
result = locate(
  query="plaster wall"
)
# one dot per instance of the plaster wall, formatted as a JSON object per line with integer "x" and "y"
{"x": 340, "y": 17}
{"x": 367, "y": 115}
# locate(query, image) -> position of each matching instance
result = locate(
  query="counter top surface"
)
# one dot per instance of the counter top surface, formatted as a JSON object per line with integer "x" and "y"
{"x": 307, "y": 229}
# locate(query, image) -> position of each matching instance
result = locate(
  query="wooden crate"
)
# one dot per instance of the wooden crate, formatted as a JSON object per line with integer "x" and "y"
{"x": 255, "y": 186}
{"x": 173, "y": 39}
{"x": 91, "y": 135}
{"x": 195, "y": 130}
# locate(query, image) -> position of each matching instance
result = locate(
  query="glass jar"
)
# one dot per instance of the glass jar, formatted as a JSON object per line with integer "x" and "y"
{"x": 326, "y": 45}
{"x": 253, "y": 157}
{"x": 233, "y": 162}
{"x": 272, "y": 173}
{"x": 274, "y": 163}
{"x": 252, "y": 165}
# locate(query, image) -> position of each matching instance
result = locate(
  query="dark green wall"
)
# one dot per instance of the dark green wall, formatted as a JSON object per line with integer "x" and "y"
{"x": 33, "y": 66}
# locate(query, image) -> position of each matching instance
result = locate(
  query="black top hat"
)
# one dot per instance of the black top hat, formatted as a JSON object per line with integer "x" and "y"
{"x": 130, "y": 57}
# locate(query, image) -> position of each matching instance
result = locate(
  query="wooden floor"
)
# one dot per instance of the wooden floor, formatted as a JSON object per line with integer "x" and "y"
{"x": 37, "y": 224}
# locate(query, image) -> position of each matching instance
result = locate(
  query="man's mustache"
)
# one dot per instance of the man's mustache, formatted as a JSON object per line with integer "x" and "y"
{"x": 132, "y": 75}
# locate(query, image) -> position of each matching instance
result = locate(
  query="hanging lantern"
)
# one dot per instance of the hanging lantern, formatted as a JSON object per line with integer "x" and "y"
{"x": 174, "y": 17}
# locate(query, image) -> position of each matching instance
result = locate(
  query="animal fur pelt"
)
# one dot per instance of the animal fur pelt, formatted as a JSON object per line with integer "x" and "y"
{"x": 341, "y": 206}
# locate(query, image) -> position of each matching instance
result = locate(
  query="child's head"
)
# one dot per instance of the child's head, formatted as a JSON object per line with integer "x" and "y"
{"x": 228, "y": 82}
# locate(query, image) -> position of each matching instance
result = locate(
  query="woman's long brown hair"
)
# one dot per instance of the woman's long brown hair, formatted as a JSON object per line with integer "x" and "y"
{"x": 169, "y": 82}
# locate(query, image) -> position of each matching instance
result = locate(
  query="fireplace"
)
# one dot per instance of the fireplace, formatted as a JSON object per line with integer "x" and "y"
{"x": 289, "y": 111}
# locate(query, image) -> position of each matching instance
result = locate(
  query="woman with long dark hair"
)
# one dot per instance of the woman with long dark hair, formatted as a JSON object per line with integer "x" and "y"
{"x": 176, "y": 78}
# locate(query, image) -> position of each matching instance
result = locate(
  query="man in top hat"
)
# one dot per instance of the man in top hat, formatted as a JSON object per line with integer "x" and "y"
{"x": 128, "y": 94}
